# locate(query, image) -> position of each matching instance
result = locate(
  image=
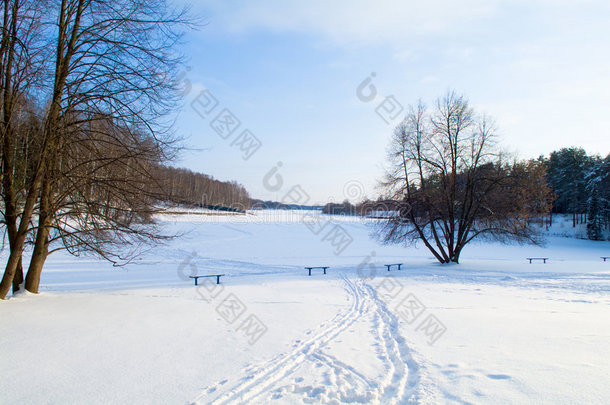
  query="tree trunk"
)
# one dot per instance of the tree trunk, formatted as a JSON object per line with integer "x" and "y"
{"x": 573, "y": 220}
{"x": 10, "y": 218}
{"x": 11, "y": 267}
{"x": 455, "y": 258}
{"x": 18, "y": 277}
{"x": 39, "y": 256}
{"x": 16, "y": 251}
{"x": 41, "y": 245}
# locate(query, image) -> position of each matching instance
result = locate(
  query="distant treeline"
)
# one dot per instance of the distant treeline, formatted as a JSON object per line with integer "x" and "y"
{"x": 275, "y": 205}
{"x": 580, "y": 184}
{"x": 185, "y": 187}
{"x": 368, "y": 208}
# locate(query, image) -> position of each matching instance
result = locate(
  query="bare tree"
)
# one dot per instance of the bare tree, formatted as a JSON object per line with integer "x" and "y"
{"x": 182, "y": 186}
{"x": 111, "y": 83}
{"x": 20, "y": 69}
{"x": 452, "y": 184}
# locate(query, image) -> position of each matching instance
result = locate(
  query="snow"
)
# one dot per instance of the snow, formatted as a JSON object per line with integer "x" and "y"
{"x": 562, "y": 225}
{"x": 503, "y": 330}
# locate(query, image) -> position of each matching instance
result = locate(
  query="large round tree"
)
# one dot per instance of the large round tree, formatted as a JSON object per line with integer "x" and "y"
{"x": 452, "y": 184}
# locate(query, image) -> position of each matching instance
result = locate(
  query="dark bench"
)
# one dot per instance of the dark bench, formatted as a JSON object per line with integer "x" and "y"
{"x": 605, "y": 257}
{"x": 317, "y": 267}
{"x": 544, "y": 259}
{"x": 393, "y": 264}
{"x": 208, "y": 275}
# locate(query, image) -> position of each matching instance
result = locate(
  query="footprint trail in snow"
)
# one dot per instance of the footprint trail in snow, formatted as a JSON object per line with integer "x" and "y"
{"x": 335, "y": 363}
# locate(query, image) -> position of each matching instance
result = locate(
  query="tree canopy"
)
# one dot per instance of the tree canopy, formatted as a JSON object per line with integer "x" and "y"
{"x": 453, "y": 184}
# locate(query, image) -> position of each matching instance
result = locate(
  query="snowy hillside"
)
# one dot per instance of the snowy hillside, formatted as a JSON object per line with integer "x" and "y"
{"x": 494, "y": 329}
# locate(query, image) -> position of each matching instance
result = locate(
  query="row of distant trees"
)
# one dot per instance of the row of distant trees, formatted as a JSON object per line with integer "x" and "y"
{"x": 86, "y": 87}
{"x": 185, "y": 187}
{"x": 576, "y": 183}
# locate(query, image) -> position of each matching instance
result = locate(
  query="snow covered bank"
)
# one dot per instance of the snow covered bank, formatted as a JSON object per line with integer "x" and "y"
{"x": 513, "y": 332}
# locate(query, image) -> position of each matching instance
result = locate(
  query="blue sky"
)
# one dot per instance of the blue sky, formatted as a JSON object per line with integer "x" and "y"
{"x": 289, "y": 70}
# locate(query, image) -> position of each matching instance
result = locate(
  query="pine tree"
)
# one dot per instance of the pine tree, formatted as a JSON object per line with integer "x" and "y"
{"x": 566, "y": 172}
{"x": 595, "y": 215}
{"x": 597, "y": 201}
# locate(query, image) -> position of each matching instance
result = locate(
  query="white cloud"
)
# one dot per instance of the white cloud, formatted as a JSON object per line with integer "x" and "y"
{"x": 351, "y": 22}
{"x": 429, "y": 79}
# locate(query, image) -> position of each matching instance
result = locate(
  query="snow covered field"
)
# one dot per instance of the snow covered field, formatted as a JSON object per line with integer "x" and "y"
{"x": 493, "y": 329}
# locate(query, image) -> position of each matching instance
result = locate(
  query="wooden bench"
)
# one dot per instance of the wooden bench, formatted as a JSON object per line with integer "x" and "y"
{"x": 317, "y": 267}
{"x": 605, "y": 257}
{"x": 544, "y": 259}
{"x": 393, "y": 264}
{"x": 208, "y": 275}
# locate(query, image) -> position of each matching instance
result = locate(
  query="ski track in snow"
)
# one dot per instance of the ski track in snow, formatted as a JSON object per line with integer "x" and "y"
{"x": 276, "y": 379}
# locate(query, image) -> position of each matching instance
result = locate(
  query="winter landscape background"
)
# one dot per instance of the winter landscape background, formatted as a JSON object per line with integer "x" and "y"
{"x": 304, "y": 202}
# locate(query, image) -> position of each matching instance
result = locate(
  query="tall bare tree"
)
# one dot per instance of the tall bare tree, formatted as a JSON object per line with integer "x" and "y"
{"x": 112, "y": 83}
{"x": 21, "y": 57}
{"x": 453, "y": 185}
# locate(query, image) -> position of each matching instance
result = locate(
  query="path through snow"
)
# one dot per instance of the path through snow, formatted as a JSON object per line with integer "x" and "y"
{"x": 312, "y": 372}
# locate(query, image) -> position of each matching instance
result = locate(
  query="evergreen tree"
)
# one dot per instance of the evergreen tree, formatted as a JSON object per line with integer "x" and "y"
{"x": 598, "y": 190}
{"x": 595, "y": 215}
{"x": 566, "y": 172}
